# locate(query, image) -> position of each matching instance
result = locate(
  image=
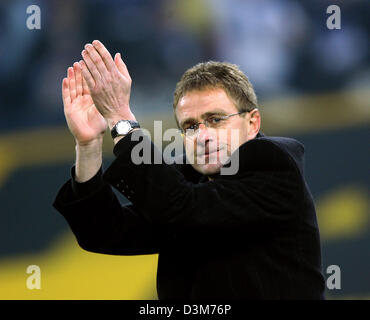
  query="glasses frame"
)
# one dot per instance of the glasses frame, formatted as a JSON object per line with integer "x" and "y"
{"x": 205, "y": 122}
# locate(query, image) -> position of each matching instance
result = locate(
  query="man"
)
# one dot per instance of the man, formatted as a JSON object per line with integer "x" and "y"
{"x": 248, "y": 235}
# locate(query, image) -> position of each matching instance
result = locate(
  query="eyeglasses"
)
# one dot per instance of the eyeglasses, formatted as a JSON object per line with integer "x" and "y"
{"x": 214, "y": 121}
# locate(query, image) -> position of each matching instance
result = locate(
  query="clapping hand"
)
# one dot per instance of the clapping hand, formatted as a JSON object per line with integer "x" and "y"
{"x": 84, "y": 120}
{"x": 109, "y": 82}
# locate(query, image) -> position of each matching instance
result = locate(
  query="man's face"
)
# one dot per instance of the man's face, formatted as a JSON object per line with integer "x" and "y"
{"x": 210, "y": 147}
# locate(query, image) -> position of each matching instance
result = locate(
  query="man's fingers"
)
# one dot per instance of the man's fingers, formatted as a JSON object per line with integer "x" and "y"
{"x": 65, "y": 93}
{"x": 90, "y": 65}
{"x": 78, "y": 78}
{"x": 85, "y": 87}
{"x": 121, "y": 65}
{"x": 97, "y": 60}
{"x": 104, "y": 54}
{"x": 87, "y": 75}
{"x": 72, "y": 83}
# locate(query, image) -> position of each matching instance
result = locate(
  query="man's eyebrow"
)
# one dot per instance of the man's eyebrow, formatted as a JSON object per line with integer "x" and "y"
{"x": 204, "y": 116}
{"x": 186, "y": 121}
{"x": 219, "y": 112}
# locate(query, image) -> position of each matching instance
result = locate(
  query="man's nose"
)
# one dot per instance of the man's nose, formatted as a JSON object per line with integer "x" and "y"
{"x": 204, "y": 135}
{"x": 203, "y": 132}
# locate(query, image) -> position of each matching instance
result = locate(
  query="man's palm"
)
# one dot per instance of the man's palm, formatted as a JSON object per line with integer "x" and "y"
{"x": 83, "y": 119}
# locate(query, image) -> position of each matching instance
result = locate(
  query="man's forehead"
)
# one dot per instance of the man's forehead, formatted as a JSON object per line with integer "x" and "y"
{"x": 203, "y": 95}
{"x": 196, "y": 103}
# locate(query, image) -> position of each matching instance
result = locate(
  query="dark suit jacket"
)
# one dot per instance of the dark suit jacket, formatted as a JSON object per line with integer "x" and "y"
{"x": 252, "y": 235}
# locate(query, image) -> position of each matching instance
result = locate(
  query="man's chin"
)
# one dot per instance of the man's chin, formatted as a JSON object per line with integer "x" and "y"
{"x": 208, "y": 169}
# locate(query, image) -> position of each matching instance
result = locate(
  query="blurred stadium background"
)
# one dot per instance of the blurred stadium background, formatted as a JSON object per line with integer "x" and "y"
{"x": 313, "y": 84}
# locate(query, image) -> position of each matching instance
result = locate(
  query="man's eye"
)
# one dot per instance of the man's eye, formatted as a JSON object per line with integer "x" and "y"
{"x": 215, "y": 120}
{"x": 190, "y": 127}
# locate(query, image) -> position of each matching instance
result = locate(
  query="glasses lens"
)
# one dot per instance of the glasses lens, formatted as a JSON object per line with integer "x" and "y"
{"x": 190, "y": 132}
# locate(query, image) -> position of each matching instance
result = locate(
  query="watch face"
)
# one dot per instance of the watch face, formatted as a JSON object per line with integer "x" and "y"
{"x": 123, "y": 127}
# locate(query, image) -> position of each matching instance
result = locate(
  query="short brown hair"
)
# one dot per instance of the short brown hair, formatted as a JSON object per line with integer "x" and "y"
{"x": 213, "y": 74}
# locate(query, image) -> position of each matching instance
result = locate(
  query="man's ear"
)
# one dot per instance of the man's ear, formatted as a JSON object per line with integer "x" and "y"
{"x": 254, "y": 123}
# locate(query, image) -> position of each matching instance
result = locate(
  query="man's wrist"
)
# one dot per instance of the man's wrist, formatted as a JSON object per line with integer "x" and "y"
{"x": 112, "y": 121}
{"x": 97, "y": 142}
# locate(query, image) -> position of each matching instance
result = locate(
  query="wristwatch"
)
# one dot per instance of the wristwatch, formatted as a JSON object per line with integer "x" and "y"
{"x": 123, "y": 127}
